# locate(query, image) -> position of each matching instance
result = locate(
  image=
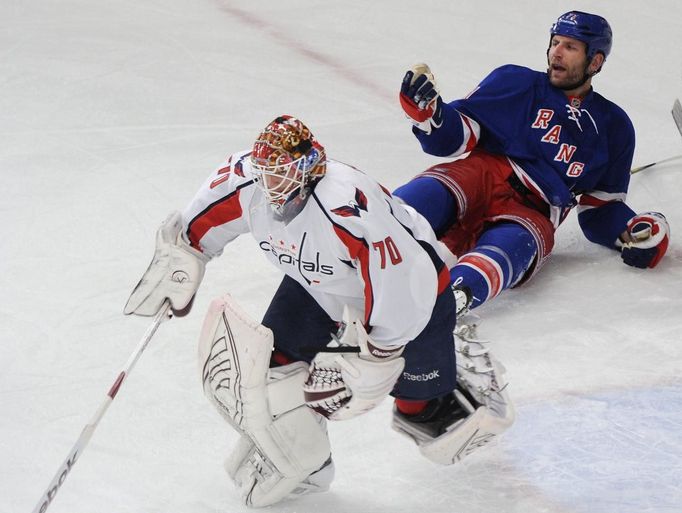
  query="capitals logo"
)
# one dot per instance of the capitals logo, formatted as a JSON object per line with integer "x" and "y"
{"x": 354, "y": 207}
{"x": 291, "y": 255}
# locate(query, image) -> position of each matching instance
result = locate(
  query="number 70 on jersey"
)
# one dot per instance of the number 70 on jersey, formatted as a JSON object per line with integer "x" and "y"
{"x": 388, "y": 248}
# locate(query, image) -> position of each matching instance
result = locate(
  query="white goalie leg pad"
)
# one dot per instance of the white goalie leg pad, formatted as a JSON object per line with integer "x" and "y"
{"x": 479, "y": 429}
{"x": 288, "y": 450}
{"x": 259, "y": 481}
{"x": 481, "y": 375}
{"x": 482, "y": 393}
{"x": 234, "y": 355}
{"x": 283, "y": 443}
{"x": 289, "y": 456}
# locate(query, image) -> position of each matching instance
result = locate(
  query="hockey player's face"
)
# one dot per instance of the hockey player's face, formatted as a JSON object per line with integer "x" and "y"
{"x": 567, "y": 60}
{"x": 283, "y": 182}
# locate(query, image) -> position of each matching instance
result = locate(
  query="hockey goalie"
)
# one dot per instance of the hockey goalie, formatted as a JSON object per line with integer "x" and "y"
{"x": 364, "y": 311}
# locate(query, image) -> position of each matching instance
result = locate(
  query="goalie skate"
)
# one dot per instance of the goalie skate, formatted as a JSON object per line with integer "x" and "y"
{"x": 471, "y": 417}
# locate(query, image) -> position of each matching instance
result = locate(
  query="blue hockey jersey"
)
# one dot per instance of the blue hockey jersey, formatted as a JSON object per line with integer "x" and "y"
{"x": 562, "y": 148}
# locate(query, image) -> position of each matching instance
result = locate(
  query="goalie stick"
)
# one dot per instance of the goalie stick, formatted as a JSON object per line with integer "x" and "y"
{"x": 677, "y": 116}
{"x": 89, "y": 429}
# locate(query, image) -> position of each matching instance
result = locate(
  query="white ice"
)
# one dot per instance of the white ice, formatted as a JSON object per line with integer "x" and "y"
{"x": 113, "y": 113}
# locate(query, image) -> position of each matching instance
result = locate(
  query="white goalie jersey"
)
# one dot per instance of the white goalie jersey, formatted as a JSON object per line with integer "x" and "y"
{"x": 352, "y": 243}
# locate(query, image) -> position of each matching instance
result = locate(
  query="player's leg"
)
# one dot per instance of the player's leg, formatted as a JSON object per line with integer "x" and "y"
{"x": 300, "y": 326}
{"x": 454, "y": 197}
{"x": 429, "y": 370}
{"x": 500, "y": 240}
{"x": 451, "y": 398}
{"x": 431, "y": 199}
{"x": 499, "y": 260}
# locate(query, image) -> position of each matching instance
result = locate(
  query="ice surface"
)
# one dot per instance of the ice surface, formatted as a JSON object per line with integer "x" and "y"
{"x": 113, "y": 113}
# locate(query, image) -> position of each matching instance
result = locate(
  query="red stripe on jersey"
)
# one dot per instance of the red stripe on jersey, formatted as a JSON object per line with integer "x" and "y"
{"x": 487, "y": 268}
{"x": 226, "y": 210}
{"x": 590, "y": 201}
{"x": 358, "y": 249}
{"x": 472, "y": 138}
{"x": 443, "y": 279}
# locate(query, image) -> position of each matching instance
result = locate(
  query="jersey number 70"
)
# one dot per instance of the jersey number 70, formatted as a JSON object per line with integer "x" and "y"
{"x": 387, "y": 246}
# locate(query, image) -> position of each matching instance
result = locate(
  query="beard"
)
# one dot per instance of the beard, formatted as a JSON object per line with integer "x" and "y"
{"x": 569, "y": 80}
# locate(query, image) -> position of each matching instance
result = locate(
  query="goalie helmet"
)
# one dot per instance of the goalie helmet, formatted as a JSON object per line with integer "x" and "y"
{"x": 287, "y": 160}
{"x": 591, "y": 29}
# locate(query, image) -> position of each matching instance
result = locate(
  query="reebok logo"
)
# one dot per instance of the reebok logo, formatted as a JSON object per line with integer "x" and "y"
{"x": 383, "y": 352}
{"x": 422, "y": 377}
{"x": 47, "y": 499}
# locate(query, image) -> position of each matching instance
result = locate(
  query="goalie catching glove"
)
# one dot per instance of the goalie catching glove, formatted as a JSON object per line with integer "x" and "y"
{"x": 353, "y": 375}
{"x": 420, "y": 99}
{"x": 650, "y": 234}
{"x": 175, "y": 273}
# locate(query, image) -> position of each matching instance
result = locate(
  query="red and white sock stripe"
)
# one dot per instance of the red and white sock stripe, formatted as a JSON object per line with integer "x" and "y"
{"x": 488, "y": 268}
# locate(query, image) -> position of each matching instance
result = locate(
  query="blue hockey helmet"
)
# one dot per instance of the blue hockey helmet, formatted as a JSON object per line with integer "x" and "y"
{"x": 591, "y": 29}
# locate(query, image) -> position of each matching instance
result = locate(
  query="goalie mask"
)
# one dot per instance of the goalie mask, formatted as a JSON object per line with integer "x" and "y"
{"x": 286, "y": 160}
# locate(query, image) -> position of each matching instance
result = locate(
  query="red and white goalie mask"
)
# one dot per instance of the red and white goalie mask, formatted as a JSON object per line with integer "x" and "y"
{"x": 286, "y": 159}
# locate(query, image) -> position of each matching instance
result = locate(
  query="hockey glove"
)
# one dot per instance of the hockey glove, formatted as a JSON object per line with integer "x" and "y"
{"x": 174, "y": 273}
{"x": 354, "y": 375}
{"x": 650, "y": 235}
{"x": 420, "y": 99}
